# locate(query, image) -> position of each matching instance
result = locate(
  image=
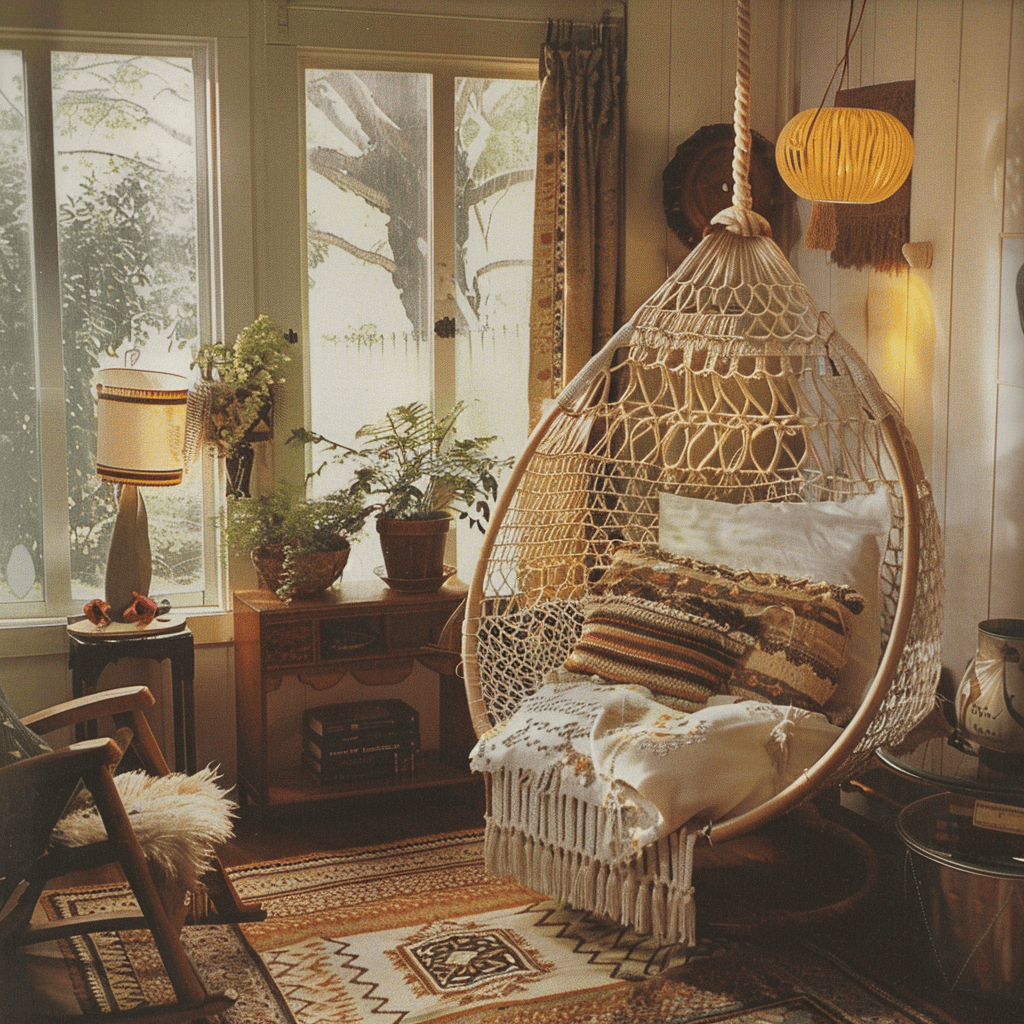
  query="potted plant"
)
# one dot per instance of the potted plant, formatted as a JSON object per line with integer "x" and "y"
{"x": 418, "y": 474}
{"x": 235, "y": 388}
{"x": 299, "y": 545}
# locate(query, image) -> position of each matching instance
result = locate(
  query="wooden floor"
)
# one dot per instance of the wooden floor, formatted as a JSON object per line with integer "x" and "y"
{"x": 289, "y": 832}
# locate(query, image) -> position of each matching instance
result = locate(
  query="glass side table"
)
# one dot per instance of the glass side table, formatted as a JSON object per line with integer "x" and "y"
{"x": 964, "y": 873}
{"x": 943, "y": 760}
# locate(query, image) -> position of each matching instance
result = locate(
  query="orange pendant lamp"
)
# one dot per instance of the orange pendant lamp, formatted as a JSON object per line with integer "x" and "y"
{"x": 844, "y": 154}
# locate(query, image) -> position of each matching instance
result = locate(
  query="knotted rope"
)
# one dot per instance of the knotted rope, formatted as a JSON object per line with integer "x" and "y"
{"x": 740, "y": 218}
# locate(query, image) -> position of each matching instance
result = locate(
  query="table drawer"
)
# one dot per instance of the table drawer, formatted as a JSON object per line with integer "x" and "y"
{"x": 288, "y": 643}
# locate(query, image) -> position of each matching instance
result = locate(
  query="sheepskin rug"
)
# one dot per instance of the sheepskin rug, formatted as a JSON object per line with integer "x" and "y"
{"x": 178, "y": 820}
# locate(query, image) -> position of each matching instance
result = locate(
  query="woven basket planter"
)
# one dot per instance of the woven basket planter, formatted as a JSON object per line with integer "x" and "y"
{"x": 312, "y": 571}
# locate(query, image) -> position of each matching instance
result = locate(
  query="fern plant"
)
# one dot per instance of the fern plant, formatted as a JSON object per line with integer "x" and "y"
{"x": 412, "y": 465}
{"x": 287, "y": 517}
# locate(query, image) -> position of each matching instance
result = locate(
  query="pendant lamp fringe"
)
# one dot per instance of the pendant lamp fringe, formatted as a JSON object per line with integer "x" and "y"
{"x": 821, "y": 228}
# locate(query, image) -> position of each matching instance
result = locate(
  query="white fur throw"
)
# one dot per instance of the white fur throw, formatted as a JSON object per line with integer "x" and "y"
{"x": 177, "y": 818}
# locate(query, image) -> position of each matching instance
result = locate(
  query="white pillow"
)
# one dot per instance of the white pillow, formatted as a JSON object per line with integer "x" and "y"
{"x": 837, "y": 542}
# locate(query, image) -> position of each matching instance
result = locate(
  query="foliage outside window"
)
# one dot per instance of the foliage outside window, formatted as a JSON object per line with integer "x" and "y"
{"x": 378, "y": 204}
{"x": 124, "y": 195}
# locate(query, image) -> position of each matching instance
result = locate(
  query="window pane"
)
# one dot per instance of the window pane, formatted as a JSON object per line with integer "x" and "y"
{"x": 125, "y": 162}
{"x": 21, "y": 528}
{"x": 369, "y": 284}
{"x": 495, "y": 156}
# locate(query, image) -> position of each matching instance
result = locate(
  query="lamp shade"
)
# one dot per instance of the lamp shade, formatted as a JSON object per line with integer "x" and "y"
{"x": 844, "y": 154}
{"x": 140, "y": 431}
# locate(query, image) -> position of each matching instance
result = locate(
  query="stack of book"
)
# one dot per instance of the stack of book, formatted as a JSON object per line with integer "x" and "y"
{"x": 367, "y": 739}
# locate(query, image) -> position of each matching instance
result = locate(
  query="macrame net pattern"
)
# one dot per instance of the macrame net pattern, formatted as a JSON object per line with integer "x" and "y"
{"x": 728, "y": 384}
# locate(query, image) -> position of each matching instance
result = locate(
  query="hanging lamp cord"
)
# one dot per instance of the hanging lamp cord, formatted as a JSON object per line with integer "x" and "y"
{"x": 843, "y": 66}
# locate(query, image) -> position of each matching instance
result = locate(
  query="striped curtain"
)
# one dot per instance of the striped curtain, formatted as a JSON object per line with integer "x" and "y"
{"x": 576, "y": 297}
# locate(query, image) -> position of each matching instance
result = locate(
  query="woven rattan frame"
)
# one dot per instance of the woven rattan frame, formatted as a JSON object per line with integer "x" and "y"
{"x": 729, "y": 384}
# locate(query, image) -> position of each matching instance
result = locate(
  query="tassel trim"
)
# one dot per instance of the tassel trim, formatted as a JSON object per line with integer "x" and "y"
{"x": 549, "y": 843}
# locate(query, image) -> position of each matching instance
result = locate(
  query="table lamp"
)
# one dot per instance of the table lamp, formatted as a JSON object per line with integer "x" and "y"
{"x": 140, "y": 438}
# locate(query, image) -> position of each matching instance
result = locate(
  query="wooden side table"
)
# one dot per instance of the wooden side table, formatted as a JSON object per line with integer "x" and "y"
{"x": 89, "y": 653}
{"x": 363, "y": 628}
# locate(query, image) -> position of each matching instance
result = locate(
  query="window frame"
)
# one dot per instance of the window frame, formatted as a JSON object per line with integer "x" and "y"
{"x": 442, "y": 72}
{"x": 474, "y": 38}
{"x": 218, "y": 249}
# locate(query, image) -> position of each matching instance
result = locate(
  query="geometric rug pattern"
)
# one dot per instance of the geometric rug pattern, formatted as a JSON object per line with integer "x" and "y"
{"x": 415, "y": 932}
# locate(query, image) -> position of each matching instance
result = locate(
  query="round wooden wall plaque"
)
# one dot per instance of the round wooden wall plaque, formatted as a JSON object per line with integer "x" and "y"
{"x": 697, "y": 184}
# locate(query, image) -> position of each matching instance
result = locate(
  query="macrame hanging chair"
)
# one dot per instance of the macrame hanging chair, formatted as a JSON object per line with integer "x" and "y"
{"x": 727, "y": 384}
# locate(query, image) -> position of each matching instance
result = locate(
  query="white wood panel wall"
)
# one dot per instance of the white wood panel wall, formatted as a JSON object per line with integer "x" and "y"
{"x": 681, "y": 76}
{"x": 946, "y": 342}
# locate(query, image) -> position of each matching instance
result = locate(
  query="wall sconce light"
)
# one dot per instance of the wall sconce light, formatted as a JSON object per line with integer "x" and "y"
{"x": 919, "y": 255}
{"x": 139, "y": 443}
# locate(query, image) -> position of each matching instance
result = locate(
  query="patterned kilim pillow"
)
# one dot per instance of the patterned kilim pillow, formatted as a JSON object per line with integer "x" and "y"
{"x": 676, "y": 653}
{"x": 794, "y": 634}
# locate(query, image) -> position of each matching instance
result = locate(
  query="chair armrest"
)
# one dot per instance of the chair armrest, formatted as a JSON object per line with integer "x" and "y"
{"x": 67, "y": 762}
{"x": 89, "y": 707}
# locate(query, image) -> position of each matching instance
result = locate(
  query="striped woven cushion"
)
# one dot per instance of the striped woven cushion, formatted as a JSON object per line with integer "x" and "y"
{"x": 792, "y": 635}
{"x": 627, "y": 639}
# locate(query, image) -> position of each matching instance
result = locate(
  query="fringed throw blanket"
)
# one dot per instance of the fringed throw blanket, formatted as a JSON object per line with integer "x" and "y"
{"x": 590, "y": 786}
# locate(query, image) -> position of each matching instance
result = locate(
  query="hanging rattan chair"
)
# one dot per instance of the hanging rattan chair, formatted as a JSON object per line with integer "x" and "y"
{"x": 727, "y": 384}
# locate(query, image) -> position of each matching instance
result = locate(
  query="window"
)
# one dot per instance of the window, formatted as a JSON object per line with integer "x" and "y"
{"x": 105, "y": 259}
{"x": 419, "y": 224}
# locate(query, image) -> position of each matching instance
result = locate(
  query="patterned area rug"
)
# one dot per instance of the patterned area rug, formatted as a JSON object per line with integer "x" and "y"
{"x": 415, "y": 932}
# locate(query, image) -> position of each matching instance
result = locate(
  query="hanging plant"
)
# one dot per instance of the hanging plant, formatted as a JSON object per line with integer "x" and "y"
{"x": 236, "y": 382}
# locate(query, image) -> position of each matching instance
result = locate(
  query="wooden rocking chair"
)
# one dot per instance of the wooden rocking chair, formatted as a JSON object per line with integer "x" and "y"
{"x": 727, "y": 385}
{"x": 36, "y": 786}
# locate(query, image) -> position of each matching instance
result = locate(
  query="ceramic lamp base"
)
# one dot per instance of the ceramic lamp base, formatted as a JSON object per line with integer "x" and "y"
{"x": 129, "y": 563}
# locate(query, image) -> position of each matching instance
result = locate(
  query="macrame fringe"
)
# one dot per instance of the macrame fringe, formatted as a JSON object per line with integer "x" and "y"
{"x": 821, "y": 228}
{"x": 875, "y": 242}
{"x": 548, "y": 841}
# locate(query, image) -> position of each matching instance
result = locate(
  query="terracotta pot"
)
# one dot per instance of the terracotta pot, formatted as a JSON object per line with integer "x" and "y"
{"x": 312, "y": 571}
{"x": 413, "y": 549}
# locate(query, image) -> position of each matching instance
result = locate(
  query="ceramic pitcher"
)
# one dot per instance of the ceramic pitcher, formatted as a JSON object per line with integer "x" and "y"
{"x": 990, "y": 698}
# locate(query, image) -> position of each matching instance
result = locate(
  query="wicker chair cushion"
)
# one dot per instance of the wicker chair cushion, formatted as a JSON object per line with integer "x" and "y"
{"x": 686, "y": 628}
{"x": 841, "y": 542}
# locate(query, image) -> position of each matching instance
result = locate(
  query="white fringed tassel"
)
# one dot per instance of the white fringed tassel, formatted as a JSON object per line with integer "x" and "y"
{"x": 688, "y": 909}
{"x": 628, "y": 897}
{"x": 549, "y": 842}
{"x": 642, "y": 910}
{"x": 601, "y": 890}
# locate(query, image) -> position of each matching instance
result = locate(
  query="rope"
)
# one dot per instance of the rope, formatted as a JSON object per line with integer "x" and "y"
{"x": 741, "y": 218}
{"x": 741, "y": 196}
